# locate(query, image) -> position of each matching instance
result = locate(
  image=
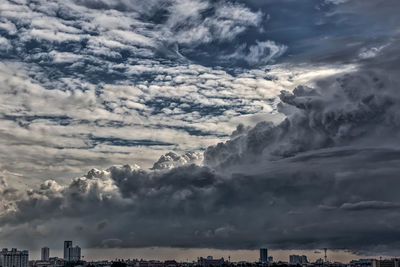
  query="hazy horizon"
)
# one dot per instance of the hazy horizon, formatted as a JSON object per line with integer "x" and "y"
{"x": 191, "y": 254}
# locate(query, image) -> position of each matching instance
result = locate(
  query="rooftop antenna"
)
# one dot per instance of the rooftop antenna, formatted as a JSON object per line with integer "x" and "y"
{"x": 325, "y": 257}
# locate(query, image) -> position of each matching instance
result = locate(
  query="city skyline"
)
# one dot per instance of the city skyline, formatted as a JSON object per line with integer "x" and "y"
{"x": 16, "y": 258}
{"x": 71, "y": 256}
{"x": 184, "y": 255}
{"x": 172, "y": 128}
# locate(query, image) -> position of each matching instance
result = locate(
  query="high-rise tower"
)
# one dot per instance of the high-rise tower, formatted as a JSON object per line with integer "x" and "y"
{"x": 263, "y": 255}
{"x": 14, "y": 258}
{"x": 71, "y": 253}
{"x": 67, "y": 245}
{"x": 45, "y": 254}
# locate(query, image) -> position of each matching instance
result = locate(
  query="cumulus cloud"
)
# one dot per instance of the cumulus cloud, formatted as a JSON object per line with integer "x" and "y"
{"x": 172, "y": 160}
{"x": 347, "y": 110}
{"x": 8, "y": 196}
{"x": 200, "y": 208}
{"x": 4, "y": 44}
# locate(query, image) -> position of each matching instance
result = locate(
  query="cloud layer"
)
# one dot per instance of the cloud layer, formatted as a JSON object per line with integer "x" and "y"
{"x": 313, "y": 162}
{"x": 90, "y": 84}
{"x": 326, "y": 176}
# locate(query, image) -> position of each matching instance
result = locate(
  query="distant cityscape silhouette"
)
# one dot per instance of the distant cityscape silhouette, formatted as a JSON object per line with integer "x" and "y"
{"x": 73, "y": 258}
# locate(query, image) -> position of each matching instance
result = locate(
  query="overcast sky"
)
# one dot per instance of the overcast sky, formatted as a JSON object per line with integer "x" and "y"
{"x": 200, "y": 124}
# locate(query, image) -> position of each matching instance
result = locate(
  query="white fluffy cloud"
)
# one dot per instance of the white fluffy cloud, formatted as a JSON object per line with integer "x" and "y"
{"x": 93, "y": 84}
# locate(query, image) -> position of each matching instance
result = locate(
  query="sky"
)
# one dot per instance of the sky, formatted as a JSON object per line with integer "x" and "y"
{"x": 200, "y": 124}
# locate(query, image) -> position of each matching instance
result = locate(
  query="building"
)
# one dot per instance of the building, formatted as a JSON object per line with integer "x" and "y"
{"x": 67, "y": 245}
{"x": 45, "y": 254}
{"x": 71, "y": 253}
{"x": 263, "y": 255}
{"x": 361, "y": 263}
{"x": 385, "y": 263}
{"x": 14, "y": 258}
{"x": 209, "y": 261}
{"x": 52, "y": 262}
{"x": 297, "y": 259}
{"x": 75, "y": 253}
{"x": 143, "y": 263}
{"x": 170, "y": 263}
{"x": 40, "y": 264}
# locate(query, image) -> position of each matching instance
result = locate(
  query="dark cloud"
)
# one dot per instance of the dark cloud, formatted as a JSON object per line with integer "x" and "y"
{"x": 196, "y": 207}
{"x": 101, "y": 225}
{"x": 354, "y": 109}
{"x": 370, "y": 205}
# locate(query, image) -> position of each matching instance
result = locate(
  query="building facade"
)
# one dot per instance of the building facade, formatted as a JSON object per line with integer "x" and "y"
{"x": 298, "y": 259}
{"x": 263, "y": 255}
{"x": 67, "y": 245}
{"x": 71, "y": 253}
{"x": 45, "y": 254}
{"x": 385, "y": 263}
{"x": 74, "y": 253}
{"x": 14, "y": 258}
{"x": 210, "y": 261}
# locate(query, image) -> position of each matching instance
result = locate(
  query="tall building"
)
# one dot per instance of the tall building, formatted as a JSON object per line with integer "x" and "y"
{"x": 263, "y": 255}
{"x": 14, "y": 258}
{"x": 75, "y": 253}
{"x": 71, "y": 253}
{"x": 45, "y": 254}
{"x": 67, "y": 245}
